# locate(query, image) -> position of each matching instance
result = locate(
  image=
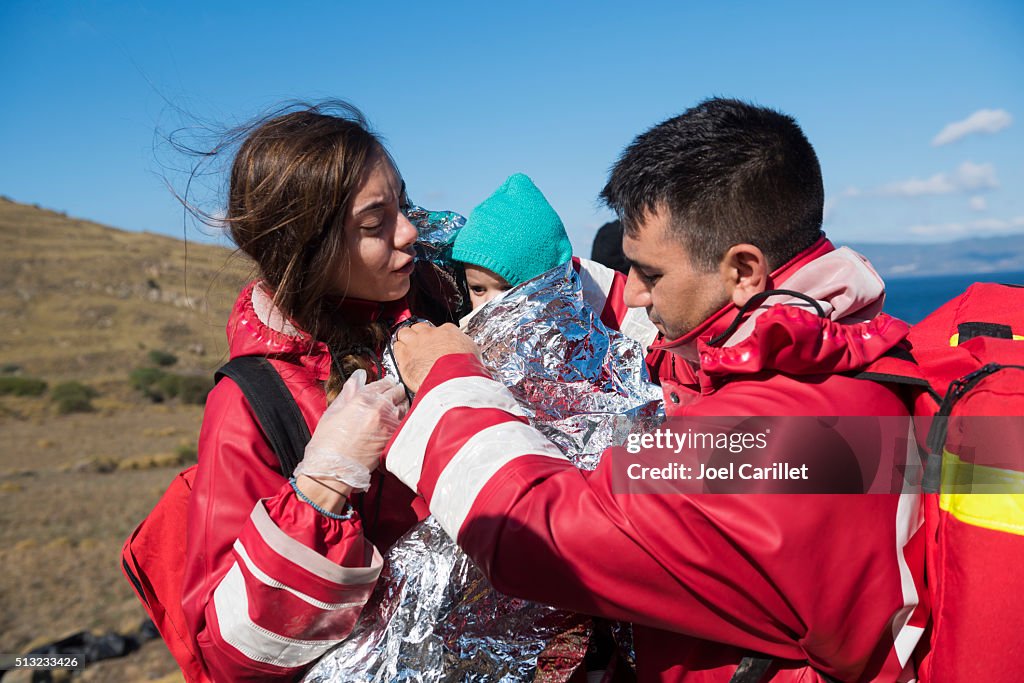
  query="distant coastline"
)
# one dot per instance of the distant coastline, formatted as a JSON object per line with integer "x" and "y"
{"x": 974, "y": 256}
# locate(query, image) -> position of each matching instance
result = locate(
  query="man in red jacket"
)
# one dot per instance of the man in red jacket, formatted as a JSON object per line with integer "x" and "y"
{"x": 721, "y": 206}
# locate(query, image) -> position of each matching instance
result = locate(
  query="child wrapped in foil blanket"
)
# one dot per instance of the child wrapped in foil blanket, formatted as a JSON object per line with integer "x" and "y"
{"x": 433, "y": 617}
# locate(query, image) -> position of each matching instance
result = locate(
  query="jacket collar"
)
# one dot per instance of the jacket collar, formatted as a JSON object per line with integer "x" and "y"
{"x": 785, "y": 334}
{"x": 257, "y": 328}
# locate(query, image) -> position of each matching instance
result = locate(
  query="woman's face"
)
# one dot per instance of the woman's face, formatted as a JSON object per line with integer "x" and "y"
{"x": 378, "y": 238}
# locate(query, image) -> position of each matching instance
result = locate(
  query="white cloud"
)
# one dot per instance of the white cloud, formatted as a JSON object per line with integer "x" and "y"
{"x": 981, "y": 121}
{"x": 940, "y": 183}
{"x": 969, "y": 176}
{"x": 984, "y": 225}
{"x": 832, "y": 202}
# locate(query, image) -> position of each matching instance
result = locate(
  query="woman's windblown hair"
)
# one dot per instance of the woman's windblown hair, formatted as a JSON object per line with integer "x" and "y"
{"x": 292, "y": 179}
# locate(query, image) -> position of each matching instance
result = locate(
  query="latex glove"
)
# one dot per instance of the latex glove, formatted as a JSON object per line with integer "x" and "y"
{"x": 350, "y": 437}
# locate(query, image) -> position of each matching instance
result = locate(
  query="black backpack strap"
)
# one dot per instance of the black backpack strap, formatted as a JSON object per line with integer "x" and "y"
{"x": 902, "y": 353}
{"x": 751, "y": 670}
{"x": 274, "y": 406}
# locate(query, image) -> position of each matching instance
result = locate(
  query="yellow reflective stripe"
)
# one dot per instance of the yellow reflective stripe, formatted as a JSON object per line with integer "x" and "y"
{"x": 996, "y": 511}
{"x": 959, "y": 476}
{"x": 955, "y": 339}
{"x": 964, "y": 496}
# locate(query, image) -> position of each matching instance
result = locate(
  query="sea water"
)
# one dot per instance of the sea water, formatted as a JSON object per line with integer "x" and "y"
{"x": 912, "y": 299}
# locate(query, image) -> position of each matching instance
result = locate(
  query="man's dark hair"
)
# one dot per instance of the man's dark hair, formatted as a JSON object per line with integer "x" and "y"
{"x": 607, "y": 247}
{"x": 729, "y": 173}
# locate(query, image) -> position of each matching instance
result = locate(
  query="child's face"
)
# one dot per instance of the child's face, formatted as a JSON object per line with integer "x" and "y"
{"x": 484, "y": 285}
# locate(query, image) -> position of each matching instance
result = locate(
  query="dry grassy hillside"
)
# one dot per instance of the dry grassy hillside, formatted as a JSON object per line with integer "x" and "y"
{"x": 84, "y": 301}
{"x": 80, "y": 301}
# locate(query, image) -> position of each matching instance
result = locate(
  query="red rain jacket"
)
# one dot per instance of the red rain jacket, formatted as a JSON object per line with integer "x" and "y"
{"x": 270, "y": 583}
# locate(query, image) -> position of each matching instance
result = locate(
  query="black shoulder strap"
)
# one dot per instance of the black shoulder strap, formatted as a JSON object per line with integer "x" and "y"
{"x": 275, "y": 407}
{"x": 751, "y": 669}
{"x": 904, "y": 354}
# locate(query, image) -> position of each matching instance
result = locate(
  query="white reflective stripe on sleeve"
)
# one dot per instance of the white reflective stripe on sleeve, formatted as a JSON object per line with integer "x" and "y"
{"x": 267, "y": 580}
{"x": 405, "y": 459}
{"x": 476, "y": 462}
{"x": 908, "y": 520}
{"x": 254, "y": 641}
{"x": 597, "y": 280}
{"x": 309, "y": 559}
{"x": 906, "y": 642}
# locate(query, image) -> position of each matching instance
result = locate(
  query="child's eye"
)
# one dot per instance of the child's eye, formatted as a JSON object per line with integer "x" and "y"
{"x": 477, "y": 290}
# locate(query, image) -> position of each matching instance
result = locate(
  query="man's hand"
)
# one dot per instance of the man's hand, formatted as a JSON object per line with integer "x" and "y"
{"x": 418, "y": 347}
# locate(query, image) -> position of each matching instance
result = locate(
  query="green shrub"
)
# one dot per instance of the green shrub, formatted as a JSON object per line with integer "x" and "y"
{"x": 193, "y": 389}
{"x": 73, "y": 397}
{"x": 147, "y": 380}
{"x": 10, "y": 369}
{"x": 21, "y": 386}
{"x": 158, "y": 385}
{"x": 143, "y": 378}
{"x": 162, "y": 358}
{"x": 168, "y": 386}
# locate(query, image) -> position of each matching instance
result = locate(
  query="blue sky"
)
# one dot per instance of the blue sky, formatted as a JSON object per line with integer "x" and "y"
{"x": 468, "y": 93}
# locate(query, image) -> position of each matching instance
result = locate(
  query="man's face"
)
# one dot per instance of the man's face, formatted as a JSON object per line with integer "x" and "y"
{"x": 662, "y": 279}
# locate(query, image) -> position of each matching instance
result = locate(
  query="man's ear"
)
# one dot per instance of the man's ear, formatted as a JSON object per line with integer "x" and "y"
{"x": 744, "y": 270}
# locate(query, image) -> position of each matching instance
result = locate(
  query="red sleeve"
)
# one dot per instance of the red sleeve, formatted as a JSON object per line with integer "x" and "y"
{"x": 779, "y": 574}
{"x": 270, "y": 583}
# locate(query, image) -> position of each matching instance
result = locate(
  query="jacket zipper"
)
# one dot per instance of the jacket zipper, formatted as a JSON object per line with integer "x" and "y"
{"x": 932, "y": 481}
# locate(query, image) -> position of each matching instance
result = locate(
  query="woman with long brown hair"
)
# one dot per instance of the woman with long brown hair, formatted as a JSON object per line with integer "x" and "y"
{"x": 277, "y": 570}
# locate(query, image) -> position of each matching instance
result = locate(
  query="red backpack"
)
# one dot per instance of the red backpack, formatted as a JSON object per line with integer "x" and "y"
{"x": 971, "y": 354}
{"x": 965, "y": 375}
{"x": 152, "y": 556}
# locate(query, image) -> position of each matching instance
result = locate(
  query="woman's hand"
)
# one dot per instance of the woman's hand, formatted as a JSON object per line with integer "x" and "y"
{"x": 349, "y": 439}
{"x": 418, "y": 347}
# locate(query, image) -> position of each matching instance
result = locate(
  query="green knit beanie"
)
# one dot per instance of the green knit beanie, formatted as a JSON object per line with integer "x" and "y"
{"x": 514, "y": 233}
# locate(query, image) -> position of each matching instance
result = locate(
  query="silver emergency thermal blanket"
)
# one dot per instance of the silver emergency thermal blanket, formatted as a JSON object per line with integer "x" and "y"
{"x": 433, "y": 616}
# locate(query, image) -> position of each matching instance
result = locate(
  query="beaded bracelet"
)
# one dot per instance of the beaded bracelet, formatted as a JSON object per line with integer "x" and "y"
{"x": 332, "y": 515}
